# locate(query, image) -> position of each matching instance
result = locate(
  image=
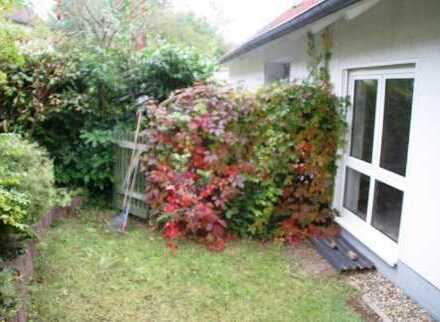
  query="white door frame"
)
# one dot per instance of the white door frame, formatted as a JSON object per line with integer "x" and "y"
{"x": 375, "y": 240}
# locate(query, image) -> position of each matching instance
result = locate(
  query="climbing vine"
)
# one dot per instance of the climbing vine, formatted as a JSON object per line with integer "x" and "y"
{"x": 320, "y": 55}
{"x": 300, "y": 128}
{"x": 222, "y": 163}
{"x": 197, "y": 161}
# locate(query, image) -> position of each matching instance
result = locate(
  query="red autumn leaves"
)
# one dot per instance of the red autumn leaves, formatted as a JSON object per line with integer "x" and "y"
{"x": 193, "y": 170}
{"x": 202, "y": 153}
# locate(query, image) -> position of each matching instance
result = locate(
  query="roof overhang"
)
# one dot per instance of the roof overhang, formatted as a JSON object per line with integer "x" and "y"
{"x": 318, "y": 12}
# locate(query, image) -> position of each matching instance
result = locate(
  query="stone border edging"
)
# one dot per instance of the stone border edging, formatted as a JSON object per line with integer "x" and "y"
{"x": 25, "y": 264}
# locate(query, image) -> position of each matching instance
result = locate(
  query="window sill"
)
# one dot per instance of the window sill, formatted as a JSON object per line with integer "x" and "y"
{"x": 378, "y": 243}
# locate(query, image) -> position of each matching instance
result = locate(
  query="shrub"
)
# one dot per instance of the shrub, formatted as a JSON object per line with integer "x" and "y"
{"x": 170, "y": 67}
{"x": 194, "y": 165}
{"x": 13, "y": 206}
{"x": 26, "y": 181}
{"x": 9, "y": 300}
{"x": 222, "y": 163}
{"x": 297, "y": 130}
{"x": 10, "y": 36}
{"x": 27, "y": 191}
{"x": 69, "y": 102}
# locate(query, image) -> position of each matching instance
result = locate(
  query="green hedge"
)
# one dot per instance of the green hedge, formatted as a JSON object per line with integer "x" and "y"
{"x": 27, "y": 174}
{"x": 69, "y": 101}
{"x": 27, "y": 190}
{"x": 9, "y": 300}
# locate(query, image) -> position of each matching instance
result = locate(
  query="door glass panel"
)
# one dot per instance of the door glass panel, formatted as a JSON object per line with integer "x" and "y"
{"x": 387, "y": 210}
{"x": 396, "y": 125}
{"x": 364, "y": 114}
{"x": 357, "y": 186}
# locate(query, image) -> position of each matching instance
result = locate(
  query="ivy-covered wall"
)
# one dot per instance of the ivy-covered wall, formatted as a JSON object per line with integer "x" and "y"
{"x": 223, "y": 163}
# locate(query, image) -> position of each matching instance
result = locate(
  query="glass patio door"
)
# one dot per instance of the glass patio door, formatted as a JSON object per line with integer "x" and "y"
{"x": 376, "y": 161}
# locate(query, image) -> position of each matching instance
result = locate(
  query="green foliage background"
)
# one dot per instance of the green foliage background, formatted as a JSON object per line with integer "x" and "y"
{"x": 71, "y": 101}
{"x": 110, "y": 24}
{"x": 9, "y": 37}
{"x": 81, "y": 83}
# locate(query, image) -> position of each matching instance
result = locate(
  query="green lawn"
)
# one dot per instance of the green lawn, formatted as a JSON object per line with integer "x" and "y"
{"x": 89, "y": 273}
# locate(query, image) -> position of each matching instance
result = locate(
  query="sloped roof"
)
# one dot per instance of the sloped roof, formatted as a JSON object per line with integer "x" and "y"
{"x": 290, "y": 14}
{"x": 307, "y": 12}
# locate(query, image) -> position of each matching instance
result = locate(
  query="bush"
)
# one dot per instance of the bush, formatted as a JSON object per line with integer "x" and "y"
{"x": 10, "y": 36}
{"x": 222, "y": 163}
{"x": 195, "y": 165}
{"x": 297, "y": 130}
{"x": 27, "y": 190}
{"x": 9, "y": 300}
{"x": 26, "y": 181}
{"x": 71, "y": 102}
{"x": 13, "y": 206}
{"x": 168, "y": 68}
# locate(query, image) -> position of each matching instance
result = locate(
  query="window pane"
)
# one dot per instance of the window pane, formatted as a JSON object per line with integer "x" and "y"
{"x": 364, "y": 115}
{"x": 274, "y": 72}
{"x": 357, "y": 186}
{"x": 387, "y": 210}
{"x": 396, "y": 125}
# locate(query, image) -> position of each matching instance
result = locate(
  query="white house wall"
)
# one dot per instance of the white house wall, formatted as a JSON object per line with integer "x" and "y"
{"x": 393, "y": 32}
{"x": 247, "y": 72}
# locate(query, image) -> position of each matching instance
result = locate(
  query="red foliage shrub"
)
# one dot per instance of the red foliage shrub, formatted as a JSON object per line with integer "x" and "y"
{"x": 221, "y": 163}
{"x": 194, "y": 167}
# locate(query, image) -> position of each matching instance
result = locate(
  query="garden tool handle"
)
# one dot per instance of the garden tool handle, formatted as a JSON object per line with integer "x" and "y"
{"x": 128, "y": 179}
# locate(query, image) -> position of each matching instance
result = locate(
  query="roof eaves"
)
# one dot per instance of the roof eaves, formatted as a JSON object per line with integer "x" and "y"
{"x": 316, "y": 13}
{"x": 301, "y": 9}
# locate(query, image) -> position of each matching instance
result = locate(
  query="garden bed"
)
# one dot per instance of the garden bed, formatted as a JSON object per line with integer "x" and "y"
{"x": 88, "y": 272}
{"x": 25, "y": 263}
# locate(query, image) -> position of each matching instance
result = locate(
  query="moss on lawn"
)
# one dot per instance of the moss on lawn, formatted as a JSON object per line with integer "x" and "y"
{"x": 87, "y": 272}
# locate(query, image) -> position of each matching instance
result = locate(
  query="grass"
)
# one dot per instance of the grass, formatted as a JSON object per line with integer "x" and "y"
{"x": 86, "y": 272}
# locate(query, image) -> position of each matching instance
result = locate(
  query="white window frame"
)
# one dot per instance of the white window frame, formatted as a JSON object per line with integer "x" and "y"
{"x": 267, "y": 72}
{"x": 379, "y": 243}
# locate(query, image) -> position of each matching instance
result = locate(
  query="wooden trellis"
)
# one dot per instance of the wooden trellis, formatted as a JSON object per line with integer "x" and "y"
{"x": 123, "y": 148}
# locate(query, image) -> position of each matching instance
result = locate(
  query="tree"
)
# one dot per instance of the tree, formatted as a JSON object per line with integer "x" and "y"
{"x": 9, "y": 51}
{"x": 108, "y": 23}
{"x": 136, "y": 24}
{"x": 8, "y": 3}
{"x": 189, "y": 30}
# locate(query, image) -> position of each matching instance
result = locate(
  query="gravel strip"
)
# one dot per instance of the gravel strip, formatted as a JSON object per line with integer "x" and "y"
{"x": 378, "y": 300}
{"x": 386, "y": 298}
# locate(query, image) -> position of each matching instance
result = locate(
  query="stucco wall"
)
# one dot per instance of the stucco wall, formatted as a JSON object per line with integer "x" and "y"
{"x": 392, "y": 32}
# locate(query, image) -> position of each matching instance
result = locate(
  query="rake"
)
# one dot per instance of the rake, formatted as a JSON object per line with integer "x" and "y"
{"x": 120, "y": 222}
